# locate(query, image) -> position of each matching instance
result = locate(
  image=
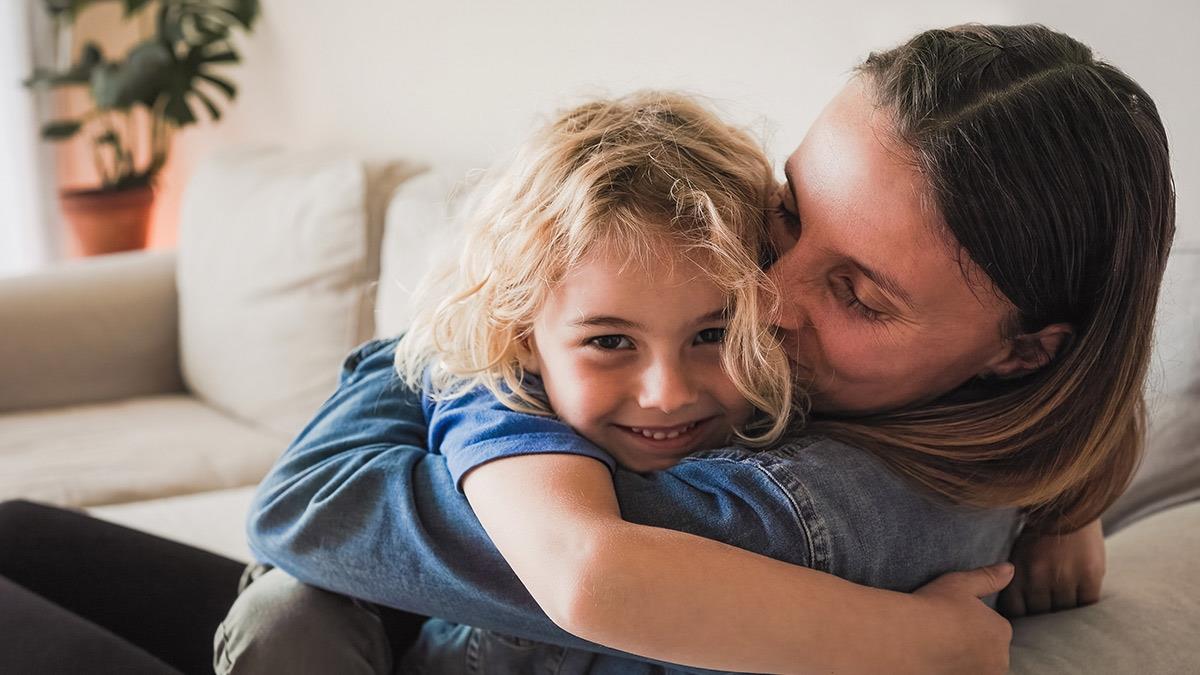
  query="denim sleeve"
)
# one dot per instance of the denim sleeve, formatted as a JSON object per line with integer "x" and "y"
{"x": 357, "y": 505}
{"x": 476, "y": 428}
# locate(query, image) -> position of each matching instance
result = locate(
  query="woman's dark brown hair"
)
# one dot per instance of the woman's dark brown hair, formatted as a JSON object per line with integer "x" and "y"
{"x": 1049, "y": 170}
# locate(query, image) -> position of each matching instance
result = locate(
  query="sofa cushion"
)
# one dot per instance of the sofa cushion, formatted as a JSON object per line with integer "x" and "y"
{"x": 278, "y": 259}
{"x": 214, "y": 521}
{"x": 128, "y": 450}
{"x": 1145, "y": 621}
{"x": 1170, "y": 471}
{"x": 1175, "y": 367}
{"x": 423, "y": 228}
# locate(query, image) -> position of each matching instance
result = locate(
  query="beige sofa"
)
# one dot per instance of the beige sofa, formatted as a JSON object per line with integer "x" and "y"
{"x": 154, "y": 389}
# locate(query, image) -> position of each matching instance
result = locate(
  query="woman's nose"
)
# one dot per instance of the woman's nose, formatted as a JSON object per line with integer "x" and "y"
{"x": 667, "y": 387}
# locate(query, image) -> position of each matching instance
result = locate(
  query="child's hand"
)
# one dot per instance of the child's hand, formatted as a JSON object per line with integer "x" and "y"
{"x": 1055, "y": 572}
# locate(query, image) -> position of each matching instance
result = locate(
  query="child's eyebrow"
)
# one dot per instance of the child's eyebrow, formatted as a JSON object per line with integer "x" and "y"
{"x": 721, "y": 314}
{"x": 606, "y": 321}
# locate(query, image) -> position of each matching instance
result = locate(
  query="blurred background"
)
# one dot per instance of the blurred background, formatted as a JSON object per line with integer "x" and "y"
{"x": 459, "y": 83}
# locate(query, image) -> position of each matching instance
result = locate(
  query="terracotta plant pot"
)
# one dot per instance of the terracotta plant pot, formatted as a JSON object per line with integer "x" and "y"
{"x": 109, "y": 221}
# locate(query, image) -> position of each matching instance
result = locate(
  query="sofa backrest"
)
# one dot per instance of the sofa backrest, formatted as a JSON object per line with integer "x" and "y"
{"x": 1176, "y": 365}
{"x": 423, "y": 230}
{"x": 278, "y": 257}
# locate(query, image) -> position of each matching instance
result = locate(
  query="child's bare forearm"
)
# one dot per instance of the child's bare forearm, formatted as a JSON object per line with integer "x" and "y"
{"x": 684, "y": 599}
{"x": 676, "y": 597}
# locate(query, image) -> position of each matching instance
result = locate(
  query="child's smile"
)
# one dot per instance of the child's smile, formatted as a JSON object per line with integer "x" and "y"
{"x": 631, "y": 359}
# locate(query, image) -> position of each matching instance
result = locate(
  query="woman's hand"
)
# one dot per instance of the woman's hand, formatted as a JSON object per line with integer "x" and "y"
{"x": 1055, "y": 572}
{"x": 958, "y": 632}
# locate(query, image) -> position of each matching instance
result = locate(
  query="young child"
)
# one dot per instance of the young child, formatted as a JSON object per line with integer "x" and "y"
{"x": 613, "y": 280}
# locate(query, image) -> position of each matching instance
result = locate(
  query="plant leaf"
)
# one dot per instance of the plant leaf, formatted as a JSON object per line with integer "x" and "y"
{"x": 106, "y": 88}
{"x": 79, "y": 73}
{"x": 71, "y": 7}
{"x": 178, "y": 111}
{"x": 147, "y": 72}
{"x": 60, "y": 130}
{"x": 210, "y": 30}
{"x": 227, "y": 56}
{"x": 220, "y": 83}
{"x": 141, "y": 78}
{"x": 213, "y": 110}
{"x": 247, "y": 11}
{"x": 170, "y": 31}
{"x": 228, "y": 12}
{"x": 132, "y": 6}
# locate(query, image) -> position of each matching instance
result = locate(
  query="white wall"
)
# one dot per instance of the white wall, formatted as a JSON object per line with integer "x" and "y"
{"x": 27, "y": 226}
{"x": 460, "y": 83}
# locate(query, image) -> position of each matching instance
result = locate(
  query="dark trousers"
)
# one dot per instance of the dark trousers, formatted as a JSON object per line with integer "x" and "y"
{"x": 82, "y": 595}
{"x": 134, "y": 601}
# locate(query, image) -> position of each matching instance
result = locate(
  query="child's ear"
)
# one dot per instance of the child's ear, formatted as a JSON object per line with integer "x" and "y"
{"x": 528, "y": 356}
{"x": 1029, "y": 352}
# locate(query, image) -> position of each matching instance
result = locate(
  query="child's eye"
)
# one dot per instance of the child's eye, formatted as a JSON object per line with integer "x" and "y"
{"x": 610, "y": 342}
{"x": 710, "y": 336}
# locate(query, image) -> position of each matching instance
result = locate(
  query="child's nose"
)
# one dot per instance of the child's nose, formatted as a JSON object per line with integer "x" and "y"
{"x": 667, "y": 387}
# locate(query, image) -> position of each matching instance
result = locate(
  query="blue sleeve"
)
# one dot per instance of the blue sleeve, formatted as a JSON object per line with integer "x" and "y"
{"x": 476, "y": 428}
{"x": 357, "y": 505}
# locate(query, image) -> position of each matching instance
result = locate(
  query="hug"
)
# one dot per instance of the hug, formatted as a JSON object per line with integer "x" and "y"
{"x": 670, "y": 410}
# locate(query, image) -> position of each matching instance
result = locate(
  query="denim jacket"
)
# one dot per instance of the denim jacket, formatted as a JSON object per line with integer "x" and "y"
{"x": 358, "y": 505}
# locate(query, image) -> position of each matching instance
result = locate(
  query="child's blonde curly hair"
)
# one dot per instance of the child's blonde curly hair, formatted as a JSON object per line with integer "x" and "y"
{"x": 651, "y": 176}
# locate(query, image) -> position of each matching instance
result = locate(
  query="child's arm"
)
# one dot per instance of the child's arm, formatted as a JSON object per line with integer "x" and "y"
{"x": 1055, "y": 572}
{"x": 676, "y": 597}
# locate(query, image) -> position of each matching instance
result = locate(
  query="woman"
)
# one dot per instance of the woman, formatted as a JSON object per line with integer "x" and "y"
{"x": 918, "y": 211}
{"x": 958, "y": 304}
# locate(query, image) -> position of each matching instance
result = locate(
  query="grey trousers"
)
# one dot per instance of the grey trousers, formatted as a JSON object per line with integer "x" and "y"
{"x": 280, "y": 625}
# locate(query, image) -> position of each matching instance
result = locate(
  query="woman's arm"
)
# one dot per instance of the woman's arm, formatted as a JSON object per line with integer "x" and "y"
{"x": 680, "y": 598}
{"x": 358, "y": 506}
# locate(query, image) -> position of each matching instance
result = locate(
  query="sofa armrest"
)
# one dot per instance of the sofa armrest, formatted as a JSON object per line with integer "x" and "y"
{"x": 91, "y": 330}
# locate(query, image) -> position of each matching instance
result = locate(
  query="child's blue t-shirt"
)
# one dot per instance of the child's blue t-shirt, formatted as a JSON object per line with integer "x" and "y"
{"x": 476, "y": 428}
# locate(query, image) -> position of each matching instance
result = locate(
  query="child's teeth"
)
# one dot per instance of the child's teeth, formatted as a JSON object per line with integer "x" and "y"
{"x": 662, "y": 435}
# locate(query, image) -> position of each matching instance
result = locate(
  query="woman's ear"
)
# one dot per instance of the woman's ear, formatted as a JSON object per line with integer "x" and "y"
{"x": 1029, "y": 352}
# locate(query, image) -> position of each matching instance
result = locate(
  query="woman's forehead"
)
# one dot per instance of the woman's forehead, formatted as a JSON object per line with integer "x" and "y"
{"x": 863, "y": 202}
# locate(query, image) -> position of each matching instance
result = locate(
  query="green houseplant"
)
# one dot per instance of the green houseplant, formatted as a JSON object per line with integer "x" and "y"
{"x": 169, "y": 76}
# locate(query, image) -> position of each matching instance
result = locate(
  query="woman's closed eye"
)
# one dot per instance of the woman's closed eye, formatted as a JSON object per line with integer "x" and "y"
{"x": 791, "y": 221}
{"x": 845, "y": 290}
{"x": 610, "y": 342}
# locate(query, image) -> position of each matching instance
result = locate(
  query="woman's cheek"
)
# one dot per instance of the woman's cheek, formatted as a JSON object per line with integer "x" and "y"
{"x": 849, "y": 358}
